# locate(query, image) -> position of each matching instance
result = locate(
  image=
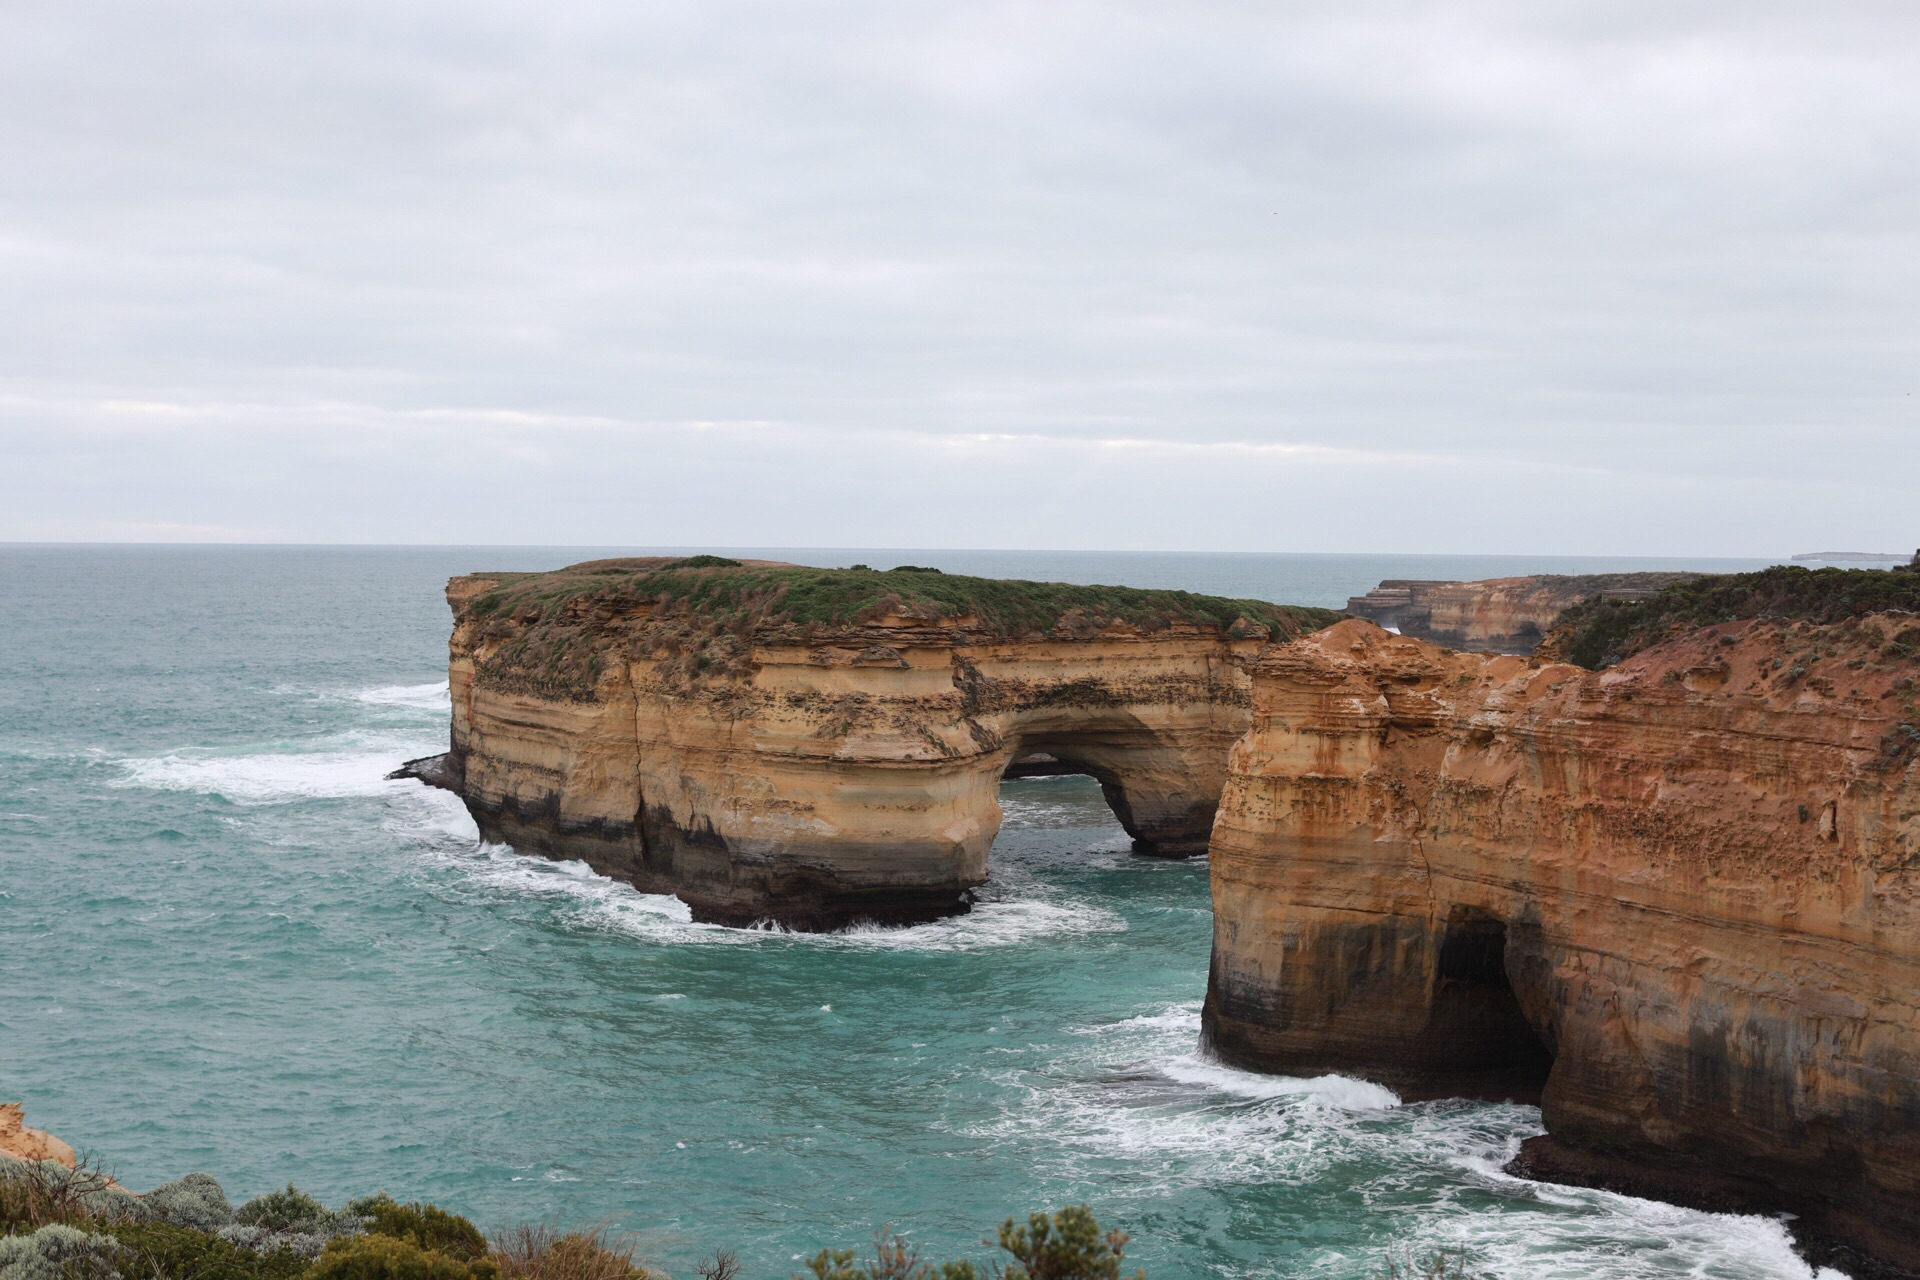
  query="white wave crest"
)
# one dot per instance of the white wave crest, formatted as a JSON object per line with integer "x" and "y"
{"x": 418, "y": 697}
{"x": 592, "y": 901}
{"x": 1177, "y": 1119}
{"x": 1006, "y": 923}
{"x": 1342, "y": 1092}
{"x": 276, "y": 777}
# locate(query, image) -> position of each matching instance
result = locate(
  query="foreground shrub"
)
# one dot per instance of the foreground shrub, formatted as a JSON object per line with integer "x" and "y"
{"x": 541, "y": 1253}
{"x": 195, "y": 1201}
{"x": 1068, "y": 1245}
{"x": 290, "y": 1220}
{"x": 59, "y": 1252}
{"x": 288, "y": 1212}
{"x": 892, "y": 1259}
{"x": 161, "y": 1251}
{"x": 382, "y": 1257}
{"x": 38, "y": 1193}
{"x": 426, "y": 1225}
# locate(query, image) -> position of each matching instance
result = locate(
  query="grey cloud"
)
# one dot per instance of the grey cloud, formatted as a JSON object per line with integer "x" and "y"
{"x": 1475, "y": 276}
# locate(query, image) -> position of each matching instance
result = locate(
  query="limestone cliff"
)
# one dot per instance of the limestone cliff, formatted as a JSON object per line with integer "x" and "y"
{"x": 814, "y": 747}
{"x": 1676, "y": 901}
{"x": 18, "y": 1142}
{"x": 1507, "y": 615}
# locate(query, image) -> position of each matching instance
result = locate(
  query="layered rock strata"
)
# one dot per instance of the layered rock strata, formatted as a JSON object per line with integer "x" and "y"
{"x": 709, "y": 745}
{"x": 1506, "y": 615}
{"x": 1677, "y": 901}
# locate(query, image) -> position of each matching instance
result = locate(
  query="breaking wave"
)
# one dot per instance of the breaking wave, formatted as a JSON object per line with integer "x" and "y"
{"x": 587, "y": 900}
{"x": 345, "y": 766}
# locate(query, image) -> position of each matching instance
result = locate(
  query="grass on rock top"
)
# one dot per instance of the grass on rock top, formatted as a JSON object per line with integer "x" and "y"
{"x": 736, "y": 594}
{"x": 1600, "y": 633}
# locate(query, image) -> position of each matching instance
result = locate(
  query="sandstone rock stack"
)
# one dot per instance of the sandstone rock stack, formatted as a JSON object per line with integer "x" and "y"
{"x": 703, "y": 730}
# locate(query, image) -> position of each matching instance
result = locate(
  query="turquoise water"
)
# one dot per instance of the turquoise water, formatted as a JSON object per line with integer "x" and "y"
{"x": 227, "y": 944}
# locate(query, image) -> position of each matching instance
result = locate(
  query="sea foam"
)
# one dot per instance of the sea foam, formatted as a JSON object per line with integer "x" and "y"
{"x": 341, "y": 767}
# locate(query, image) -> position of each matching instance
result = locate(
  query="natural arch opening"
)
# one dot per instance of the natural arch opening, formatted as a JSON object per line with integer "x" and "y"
{"x": 1475, "y": 1015}
{"x": 1148, "y": 785}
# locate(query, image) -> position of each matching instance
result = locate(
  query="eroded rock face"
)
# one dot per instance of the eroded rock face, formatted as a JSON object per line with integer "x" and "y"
{"x": 19, "y": 1142}
{"x": 1677, "y": 901}
{"x": 850, "y": 774}
{"x": 1506, "y": 615}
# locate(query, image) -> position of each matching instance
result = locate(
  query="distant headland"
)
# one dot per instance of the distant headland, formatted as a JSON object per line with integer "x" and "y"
{"x": 1858, "y": 557}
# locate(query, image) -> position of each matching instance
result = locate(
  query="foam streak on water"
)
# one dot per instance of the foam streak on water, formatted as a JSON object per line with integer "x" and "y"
{"x": 230, "y": 944}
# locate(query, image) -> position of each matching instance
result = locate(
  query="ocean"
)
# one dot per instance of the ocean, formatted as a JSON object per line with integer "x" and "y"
{"x": 228, "y": 944}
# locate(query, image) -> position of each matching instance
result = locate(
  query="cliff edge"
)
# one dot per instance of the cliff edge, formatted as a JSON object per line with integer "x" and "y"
{"x": 1677, "y": 902}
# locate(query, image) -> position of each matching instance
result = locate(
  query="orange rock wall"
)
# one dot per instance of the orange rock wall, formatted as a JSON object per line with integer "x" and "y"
{"x": 1677, "y": 901}
{"x": 855, "y": 776}
{"x": 18, "y": 1142}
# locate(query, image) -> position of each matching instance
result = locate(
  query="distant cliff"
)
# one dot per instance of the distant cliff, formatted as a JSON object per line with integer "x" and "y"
{"x": 813, "y": 746}
{"x": 1677, "y": 901}
{"x": 1506, "y": 615}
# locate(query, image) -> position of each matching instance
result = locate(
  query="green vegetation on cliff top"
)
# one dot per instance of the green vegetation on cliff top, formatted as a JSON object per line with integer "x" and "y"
{"x": 761, "y": 594}
{"x": 1600, "y": 633}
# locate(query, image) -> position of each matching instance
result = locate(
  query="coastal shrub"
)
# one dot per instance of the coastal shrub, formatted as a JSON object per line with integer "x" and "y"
{"x": 162, "y": 1251}
{"x": 32, "y": 1195}
{"x": 195, "y": 1201}
{"x": 305, "y": 1245}
{"x": 290, "y": 1220}
{"x": 59, "y": 1252}
{"x": 542, "y": 1253}
{"x": 287, "y": 1211}
{"x": 290, "y": 1211}
{"x": 36, "y": 1193}
{"x": 383, "y": 1257}
{"x": 426, "y": 1225}
{"x": 1068, "y": 1245}
{"x": 892, "y": 1259}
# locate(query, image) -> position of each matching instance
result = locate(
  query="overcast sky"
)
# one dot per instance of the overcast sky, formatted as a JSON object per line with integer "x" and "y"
{"x": 1614, "y": 277}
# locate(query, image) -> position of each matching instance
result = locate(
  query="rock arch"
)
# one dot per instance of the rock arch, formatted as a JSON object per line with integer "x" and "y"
{"x": 853, "y": 777}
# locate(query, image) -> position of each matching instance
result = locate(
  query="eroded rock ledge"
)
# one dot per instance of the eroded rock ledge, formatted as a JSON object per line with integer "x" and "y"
{"x": 815, "y": 747}
{"x": 1677, "y": 902}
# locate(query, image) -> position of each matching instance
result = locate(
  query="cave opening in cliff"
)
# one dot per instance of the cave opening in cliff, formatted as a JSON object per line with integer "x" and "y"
{"x": 1477, "y": 1014}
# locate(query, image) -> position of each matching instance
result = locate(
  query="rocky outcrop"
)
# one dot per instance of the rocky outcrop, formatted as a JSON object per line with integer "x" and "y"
{"x": 18, "y": 1142}
{"x": 815, "y": 747}
{"x": 1677, "y": 902}
{"x": 1506, "y": 615}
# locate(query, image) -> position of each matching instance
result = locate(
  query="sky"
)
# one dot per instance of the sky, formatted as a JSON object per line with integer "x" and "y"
{"x": 1468, "y": 276}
